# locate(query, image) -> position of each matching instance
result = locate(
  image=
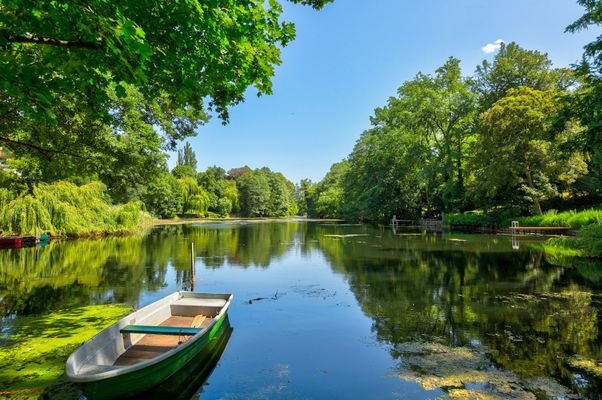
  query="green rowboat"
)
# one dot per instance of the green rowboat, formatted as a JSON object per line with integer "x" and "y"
{"x": 148, "y": 346}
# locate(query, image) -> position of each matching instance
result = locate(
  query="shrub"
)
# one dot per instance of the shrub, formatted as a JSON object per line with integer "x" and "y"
{"x": 467, "y": 219}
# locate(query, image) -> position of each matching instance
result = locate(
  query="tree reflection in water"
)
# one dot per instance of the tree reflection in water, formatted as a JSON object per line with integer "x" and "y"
{"x": 471, "y": 296}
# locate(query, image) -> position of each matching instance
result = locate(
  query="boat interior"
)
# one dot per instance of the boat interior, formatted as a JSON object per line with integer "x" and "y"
{"x": 153, "y": 344}
{"x": 147, "y": 333}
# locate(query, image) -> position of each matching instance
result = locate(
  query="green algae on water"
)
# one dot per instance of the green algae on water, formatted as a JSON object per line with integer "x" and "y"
{"x": 467, "y": 373}
{"x": 34, "y": 349}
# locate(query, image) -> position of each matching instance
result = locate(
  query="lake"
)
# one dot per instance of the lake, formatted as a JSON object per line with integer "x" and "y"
{"x": 346, "y": 311}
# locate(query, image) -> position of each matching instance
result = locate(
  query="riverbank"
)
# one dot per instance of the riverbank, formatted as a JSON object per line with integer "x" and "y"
{"x": 581, "y": 234}
{"x": 184, "y": 221}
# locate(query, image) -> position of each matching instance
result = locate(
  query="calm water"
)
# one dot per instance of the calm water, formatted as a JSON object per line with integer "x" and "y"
{"x": 322, "y": 314}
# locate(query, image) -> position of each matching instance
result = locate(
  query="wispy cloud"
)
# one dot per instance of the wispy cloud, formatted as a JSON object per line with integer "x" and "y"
{"x": 492, "y": 47}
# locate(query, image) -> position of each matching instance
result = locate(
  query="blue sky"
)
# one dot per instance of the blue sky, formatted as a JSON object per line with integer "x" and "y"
{"x": 350, "y": 57}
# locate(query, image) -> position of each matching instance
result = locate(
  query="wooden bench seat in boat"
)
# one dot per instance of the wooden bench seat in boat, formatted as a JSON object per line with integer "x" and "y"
{"x": 160, "y": 330}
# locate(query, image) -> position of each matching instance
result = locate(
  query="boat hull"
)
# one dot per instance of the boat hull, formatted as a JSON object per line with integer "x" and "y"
{"x": 138, "y": 381}
{"x": 189, "y": 380}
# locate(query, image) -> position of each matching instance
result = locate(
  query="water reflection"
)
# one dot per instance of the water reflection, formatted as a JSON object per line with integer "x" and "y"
{"x": 497, "y": 298}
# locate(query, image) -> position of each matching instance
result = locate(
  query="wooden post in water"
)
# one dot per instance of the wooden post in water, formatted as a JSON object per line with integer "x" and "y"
{"x": 192, "y": 266}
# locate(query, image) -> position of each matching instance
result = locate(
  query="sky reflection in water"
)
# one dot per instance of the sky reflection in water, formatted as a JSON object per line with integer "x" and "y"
{"x": 319, "y": 314}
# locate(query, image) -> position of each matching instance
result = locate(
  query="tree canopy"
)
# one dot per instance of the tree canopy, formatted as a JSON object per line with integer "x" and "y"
{"x": 184, "y": 58}
{"x": 506, "y": 140}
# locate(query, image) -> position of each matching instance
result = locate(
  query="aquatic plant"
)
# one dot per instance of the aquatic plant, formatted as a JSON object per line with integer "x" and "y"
{"x": 38, "y": 346}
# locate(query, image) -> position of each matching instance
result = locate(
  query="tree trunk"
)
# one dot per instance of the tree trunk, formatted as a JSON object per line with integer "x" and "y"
{"x": 534, "y": 197}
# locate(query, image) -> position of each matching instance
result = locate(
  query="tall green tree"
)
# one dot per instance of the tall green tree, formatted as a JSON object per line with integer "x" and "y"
{"x": 187, "y": 157}
{"x": 519, "y": 155}
{"x": 513, "y": 67}
{"x": 185, "y": 58}
{"x": 302, "y": 194}
{"x": 125, "y": 154}
{"x": 327, "y": 198}
{"x": 254, "y": 189}
{"x": 415, "y": 153}
{"x": 584, "y": 104}
{"x": 441, "y": 108}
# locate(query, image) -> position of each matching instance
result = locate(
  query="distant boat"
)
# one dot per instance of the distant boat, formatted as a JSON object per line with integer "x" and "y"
{"x": 148, "y": 346}
{"x": 11, "y": 242}
{"x": 16, "y": 242}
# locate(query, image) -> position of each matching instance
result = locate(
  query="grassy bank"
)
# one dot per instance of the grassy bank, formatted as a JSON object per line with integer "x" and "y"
{"x": 573, "y": 219}
{"x": 588, "y": 243}
{"x": 34, "y": 353}
{"x": 65, "y": 209}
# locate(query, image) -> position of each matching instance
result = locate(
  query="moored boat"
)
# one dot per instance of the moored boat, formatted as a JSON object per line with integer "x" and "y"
{"x": 149, "y": 345}
{"x": 13, "y": 242}
{"x": 17, "y": 242}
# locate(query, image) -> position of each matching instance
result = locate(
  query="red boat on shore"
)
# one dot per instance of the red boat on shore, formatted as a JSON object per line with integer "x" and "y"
{"x": 13, "y": 242}
{"x": 17, "y": 242}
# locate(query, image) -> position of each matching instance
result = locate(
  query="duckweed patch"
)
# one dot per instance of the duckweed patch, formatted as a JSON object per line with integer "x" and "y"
{"x": 467, "y": 373}
{"x": 587, "y": 365}
{"x": 34, "y": 354}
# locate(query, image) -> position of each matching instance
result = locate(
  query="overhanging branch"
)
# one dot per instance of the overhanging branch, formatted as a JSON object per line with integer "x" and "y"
{"x": 49, "y": 41}
{"x": 40, "y": 150}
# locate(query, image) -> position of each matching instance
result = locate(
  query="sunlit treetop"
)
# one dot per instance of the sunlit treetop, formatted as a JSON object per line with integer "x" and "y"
{"x": 187, "y": 51}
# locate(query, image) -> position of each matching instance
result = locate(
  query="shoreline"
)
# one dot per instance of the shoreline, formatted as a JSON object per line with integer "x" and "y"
{"x": 185, "y": 221}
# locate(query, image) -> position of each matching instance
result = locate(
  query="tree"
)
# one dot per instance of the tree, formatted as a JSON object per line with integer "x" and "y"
{"x": 413, "y": 157}
{"x": 254, "y": 190}
{"x": 592, "y": 60}
{"x": 213, "y": 180}
{"x": 584, "y": 104}
{"x": 163, "y": 196}
{"x": 236, "y": 173}
{"x": 195, "y": 200}
{"x": 442, "y": 109}
{"x": 231, "y": 193}
{"x": 514, "y": 66}
{"x": 183, "y": 171}
{"x": 302, "y": 195}
{"x": 518, "y": 152}
{"x": 189, "y": 49}
{"x": 187, "y": 157}
{"x": 327, "y": 198}
{"x": 224, "y": 207}
{"x": 125, "y": 154}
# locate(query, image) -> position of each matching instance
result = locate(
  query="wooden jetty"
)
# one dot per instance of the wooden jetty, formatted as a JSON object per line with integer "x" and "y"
{"x": 436, "y": 225}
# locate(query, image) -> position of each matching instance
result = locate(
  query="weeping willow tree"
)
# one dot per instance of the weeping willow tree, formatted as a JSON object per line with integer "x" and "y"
{"x": 196, "y": 199}
{"x": 63, "y": 208}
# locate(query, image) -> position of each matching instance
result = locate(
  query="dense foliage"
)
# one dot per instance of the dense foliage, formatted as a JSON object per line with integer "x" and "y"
{"x": 98, "y": 92}
{"x": 264, "y": 193}
{"x": 63, "y": 208}
{"x": 179, "y": 53}
{"x": 503, "y": 143}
